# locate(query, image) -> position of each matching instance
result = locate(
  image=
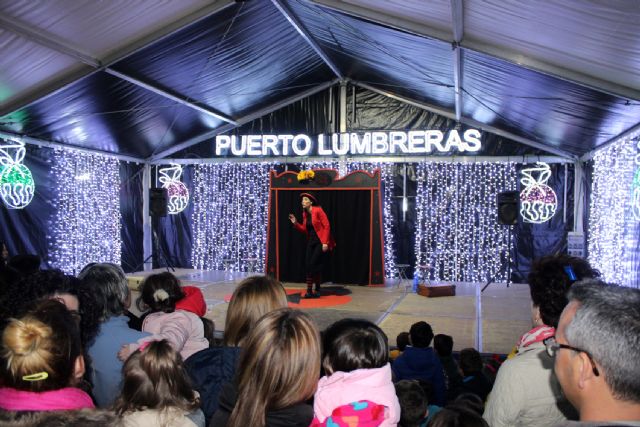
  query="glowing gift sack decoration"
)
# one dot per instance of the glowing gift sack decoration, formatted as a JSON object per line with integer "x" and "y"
{"x": 177, "y": 192}
{"x": 538, "y": 201}
{"x": 16, "y": 182}
{"x": 635, "y": 195}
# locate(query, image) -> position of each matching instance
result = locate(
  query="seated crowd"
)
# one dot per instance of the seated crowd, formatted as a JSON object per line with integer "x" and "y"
{"x": 72, "y": 354}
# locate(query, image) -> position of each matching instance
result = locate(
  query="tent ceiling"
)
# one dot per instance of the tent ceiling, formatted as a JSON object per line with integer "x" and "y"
{"x": 139, "y": 78}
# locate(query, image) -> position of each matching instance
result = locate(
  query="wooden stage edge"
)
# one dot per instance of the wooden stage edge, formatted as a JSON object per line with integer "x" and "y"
{"x": 491, "y": 321}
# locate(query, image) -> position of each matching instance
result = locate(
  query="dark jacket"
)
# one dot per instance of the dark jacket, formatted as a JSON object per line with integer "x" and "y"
{"x": 209, "y": 369}
{"x": 421, "y": 364}
{"x": 299, "y": 415}
{"x": 477, "y": 384}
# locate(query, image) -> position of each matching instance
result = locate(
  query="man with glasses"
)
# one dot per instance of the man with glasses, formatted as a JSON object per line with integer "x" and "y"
{"x": 597, "y": 353}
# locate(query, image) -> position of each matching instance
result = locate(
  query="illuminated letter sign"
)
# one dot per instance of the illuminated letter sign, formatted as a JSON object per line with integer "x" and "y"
{"x": 351, "y": 144}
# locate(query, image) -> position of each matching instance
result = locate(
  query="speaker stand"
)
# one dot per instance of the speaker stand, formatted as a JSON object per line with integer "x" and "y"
{"x": 159, "y": 253}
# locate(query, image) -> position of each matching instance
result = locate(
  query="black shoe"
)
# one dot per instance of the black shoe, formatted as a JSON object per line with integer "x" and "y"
{"x": 312, "y": 295}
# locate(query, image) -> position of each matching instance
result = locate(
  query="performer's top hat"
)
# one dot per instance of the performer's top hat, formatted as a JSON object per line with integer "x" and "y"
{"x": 310, "y": 197}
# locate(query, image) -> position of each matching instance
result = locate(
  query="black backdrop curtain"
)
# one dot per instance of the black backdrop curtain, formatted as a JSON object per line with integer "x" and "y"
{"x": 349, "y": 213}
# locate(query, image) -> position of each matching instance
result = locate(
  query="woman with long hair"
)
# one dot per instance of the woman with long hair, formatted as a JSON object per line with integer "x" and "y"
{"x": 278, "y": 371}
{"x": 209, "y": 369}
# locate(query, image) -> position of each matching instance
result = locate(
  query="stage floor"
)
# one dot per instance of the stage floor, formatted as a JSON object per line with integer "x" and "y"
{"x": 491, "y": 321}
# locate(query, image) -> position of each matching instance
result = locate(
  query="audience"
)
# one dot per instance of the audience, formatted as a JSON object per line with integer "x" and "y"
{"x": 402, "y": 341}
{"x": 42, "y": 362}
{"x": 356, "y": 362}
{"x": 414, "y": 406}
{"x": 457, "y": 416}
{"x": 420, "y": 362}
{"x": 182, "y": 328}
{"x": 18, "y": 296}
{"x": 278, "y": 372}
{"x": 104, "y": 298}
{"x": 211, "y": 368}
{"x": 156, "y": 389}
{"x": 443, "y": 345}
{"x": 526, "y": 392}
{"x": 474, "y": 380}
{"x": 596, "y": 351}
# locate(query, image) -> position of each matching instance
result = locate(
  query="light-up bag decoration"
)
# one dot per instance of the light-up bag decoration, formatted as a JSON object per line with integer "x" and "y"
{"x": 538, "y": 201}
{"x": 16, "y": 182}
{"x": 177, "y": 192}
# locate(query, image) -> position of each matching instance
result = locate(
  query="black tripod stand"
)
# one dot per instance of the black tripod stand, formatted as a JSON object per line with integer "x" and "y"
{"x": 160, "y": 254}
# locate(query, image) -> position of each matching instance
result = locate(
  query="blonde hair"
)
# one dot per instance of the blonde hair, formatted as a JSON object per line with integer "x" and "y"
{"x": 279, "y": 366}
{"x": 40, "y": 349}
{"x": 254, "y": 297}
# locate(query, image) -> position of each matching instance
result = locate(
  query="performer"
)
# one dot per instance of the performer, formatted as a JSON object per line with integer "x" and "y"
{"x": 315, "y": 225}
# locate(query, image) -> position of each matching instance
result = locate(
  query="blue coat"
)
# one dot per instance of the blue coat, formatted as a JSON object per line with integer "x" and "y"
{"x": 107, "y": 368}
{"x": 422, "y": 364}
{"x": 209, "y": 370}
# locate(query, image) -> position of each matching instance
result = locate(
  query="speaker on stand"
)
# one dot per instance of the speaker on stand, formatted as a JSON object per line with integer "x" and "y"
{"x": 508, "y": 205}
{"x": 158, "y": 208}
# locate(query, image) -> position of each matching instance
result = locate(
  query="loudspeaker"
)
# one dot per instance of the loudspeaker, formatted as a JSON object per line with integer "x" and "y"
{"x": 508, "y": 207}
{"x": 158, "y": 201}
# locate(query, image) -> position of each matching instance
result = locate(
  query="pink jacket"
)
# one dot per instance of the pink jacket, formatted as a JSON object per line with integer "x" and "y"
{"x": 183, "y": 329}
{"x": 64, "y": 399}
{"x": 342, "y": 388}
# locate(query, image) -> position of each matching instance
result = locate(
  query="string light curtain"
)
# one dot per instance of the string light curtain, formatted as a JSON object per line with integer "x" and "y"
{"x": 230, "y": 213}
{"x": 614, "y": 226}
{"x": 86, "y": 224}
{"x": 457, "y": 230}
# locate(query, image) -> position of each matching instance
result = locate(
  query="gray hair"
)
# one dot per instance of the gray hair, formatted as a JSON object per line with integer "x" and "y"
{"x": 109, "y": 287}
{"x": 607, "y": 325}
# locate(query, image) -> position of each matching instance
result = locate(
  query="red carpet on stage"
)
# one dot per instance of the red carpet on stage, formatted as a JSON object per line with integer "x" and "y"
{"x": 323, "y": 301}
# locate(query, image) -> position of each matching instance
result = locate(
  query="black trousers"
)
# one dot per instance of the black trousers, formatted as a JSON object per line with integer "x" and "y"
{"x": 315, "y": 258}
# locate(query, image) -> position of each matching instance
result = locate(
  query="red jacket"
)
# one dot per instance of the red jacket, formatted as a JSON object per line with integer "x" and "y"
{"x": 193, "y": 301}
{"x": 320, "y": 223}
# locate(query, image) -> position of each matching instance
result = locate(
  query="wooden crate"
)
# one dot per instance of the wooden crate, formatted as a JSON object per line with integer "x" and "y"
{"x": 437, "y": 291}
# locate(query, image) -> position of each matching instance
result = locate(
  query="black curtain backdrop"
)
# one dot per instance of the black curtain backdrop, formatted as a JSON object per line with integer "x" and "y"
{"x": 349, "y": 215}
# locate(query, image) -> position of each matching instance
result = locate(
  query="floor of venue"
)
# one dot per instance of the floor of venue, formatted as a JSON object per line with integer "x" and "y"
{"x": 491, "y": 321}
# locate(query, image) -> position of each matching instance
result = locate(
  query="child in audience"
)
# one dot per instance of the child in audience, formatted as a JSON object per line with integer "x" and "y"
{"x": 42, "y": 362}
{"x": 443, "y": 345}
{"x": 474, "y": 380}
{"x": 402, "y": 341}
{"x": 157, "y": 390}
{"x": 356, "y": 362}
{"x": 278, "y": 372}
{"x": 182, "y": 328}
{"x": 413, "y": 403}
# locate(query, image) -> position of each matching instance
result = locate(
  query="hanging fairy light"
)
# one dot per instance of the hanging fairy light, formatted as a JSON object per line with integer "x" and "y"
{"x": 538, "y": 201}
{"x": 86, "y": 225}
{"x": 16, "y": 182}
{"x": 457, "y": 230}
{"x": 177, "y": 192}
{"x": 230, "y": 213}
{"x": 613, "y": 229}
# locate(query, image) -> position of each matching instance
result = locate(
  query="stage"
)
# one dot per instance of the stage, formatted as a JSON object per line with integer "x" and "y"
{"x": 491, "y": 321}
